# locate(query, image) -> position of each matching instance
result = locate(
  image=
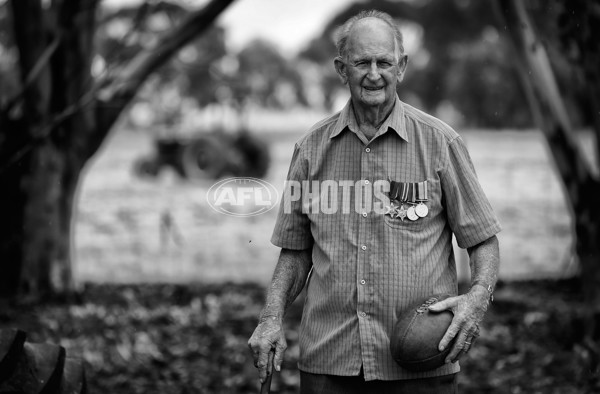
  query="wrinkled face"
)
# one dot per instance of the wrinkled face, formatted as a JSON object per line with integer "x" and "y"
{"x": 373, "y": 66}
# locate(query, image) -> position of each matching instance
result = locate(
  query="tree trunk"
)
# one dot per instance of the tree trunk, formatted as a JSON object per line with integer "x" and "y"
{"x": 50, "y": 190}
{"x": 582, "y": 188}
{"x": 36, "y": 215}
{"x": 54, "y": 126}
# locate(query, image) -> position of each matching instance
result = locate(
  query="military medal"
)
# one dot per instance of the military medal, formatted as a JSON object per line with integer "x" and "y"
{"x": 401, "y": 213}
{"x": 412, "y": 214}
{"x": 421, "y": 209}
{"x": 391, "y": 210}
{"x": 412, "y": 208}
{"x": 403, "y": 198}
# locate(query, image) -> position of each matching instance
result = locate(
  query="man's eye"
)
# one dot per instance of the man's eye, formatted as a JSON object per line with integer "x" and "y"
{"x": 384, "y": 64}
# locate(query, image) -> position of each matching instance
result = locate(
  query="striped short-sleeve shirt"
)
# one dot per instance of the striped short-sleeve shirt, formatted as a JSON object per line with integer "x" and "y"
{"x": 368, "y": 266}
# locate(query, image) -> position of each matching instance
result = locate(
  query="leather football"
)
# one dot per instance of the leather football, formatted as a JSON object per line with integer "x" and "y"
{"x": 417, "y": 334}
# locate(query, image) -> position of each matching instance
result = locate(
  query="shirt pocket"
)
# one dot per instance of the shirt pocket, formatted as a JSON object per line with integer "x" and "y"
{"x": 406, "y": 224}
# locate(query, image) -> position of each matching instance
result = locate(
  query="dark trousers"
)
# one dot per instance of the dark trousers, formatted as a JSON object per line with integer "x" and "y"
{"x": 330, "y": 384}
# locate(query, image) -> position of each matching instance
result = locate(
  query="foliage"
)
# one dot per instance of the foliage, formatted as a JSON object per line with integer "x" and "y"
{"x": 203, "y": 72}
{"x": 263, "y": 74}
{"x": 574, "y": 27}
{"x": 123, "y": 32}
{"x": 462, "y": 60}
{"x": 185, "y": 339}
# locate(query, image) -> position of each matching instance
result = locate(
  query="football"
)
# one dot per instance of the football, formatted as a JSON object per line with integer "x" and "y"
{"x": 417, "y": 334}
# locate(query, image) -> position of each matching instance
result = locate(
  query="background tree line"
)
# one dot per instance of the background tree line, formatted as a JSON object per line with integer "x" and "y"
{"x": 463, "y": 74}
{"x": 69, "y": 68}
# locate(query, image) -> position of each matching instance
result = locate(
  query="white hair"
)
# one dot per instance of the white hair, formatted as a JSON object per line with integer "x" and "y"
{"x": 346, "y": 28}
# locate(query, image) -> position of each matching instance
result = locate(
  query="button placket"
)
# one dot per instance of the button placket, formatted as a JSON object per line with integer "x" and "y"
{"x": 365, "y": 255}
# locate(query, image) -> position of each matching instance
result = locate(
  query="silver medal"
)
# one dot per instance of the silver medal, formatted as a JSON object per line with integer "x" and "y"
{"x": 412, "y": 214}
{"x": 421, "y": 210}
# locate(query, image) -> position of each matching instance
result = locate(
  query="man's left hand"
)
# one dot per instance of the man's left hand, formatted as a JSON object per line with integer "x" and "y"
{"x": 469, "y": 310}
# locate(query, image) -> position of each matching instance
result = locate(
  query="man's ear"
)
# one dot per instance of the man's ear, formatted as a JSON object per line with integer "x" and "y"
{"x": 402, "y": 63}
{"x": 340, "y": 68}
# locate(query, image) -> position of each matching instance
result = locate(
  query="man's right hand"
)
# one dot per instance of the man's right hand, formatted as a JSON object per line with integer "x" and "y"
{"x": 267, "y": 337}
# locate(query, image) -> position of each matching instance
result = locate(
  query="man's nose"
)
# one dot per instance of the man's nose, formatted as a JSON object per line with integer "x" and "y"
{"x": 373, "y": 72}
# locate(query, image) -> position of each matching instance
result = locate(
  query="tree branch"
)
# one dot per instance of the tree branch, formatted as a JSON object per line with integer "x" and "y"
{"x": 121, "y": 90}
{"x": 30, "y": 38}
{"x": 546, "y": 102}
{"x": 33, "y": 74}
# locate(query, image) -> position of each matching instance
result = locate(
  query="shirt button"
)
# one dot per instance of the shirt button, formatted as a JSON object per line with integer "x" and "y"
{"x": 362, "y": 281}
{"x": 362, "y": 314}
{"x": 366, "y": 181}
{"x": 364, "y": 214}
{"x": 368, "y": 150}
{"x": 364, "y": 247}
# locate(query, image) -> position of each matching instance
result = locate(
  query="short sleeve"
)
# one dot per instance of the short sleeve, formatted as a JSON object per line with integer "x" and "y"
{"x": 292, "y": 227}
{"x": 470, "y": 214}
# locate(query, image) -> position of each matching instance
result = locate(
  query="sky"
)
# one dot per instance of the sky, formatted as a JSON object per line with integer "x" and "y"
{"x": 290, "y": 24}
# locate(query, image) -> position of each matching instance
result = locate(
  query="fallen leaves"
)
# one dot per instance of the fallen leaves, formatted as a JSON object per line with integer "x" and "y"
{"x": 193, "y": 339}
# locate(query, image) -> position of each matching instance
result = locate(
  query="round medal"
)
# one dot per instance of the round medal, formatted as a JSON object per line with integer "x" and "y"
{"x": 411, "y": 214}
{"x": 421, "y": 210}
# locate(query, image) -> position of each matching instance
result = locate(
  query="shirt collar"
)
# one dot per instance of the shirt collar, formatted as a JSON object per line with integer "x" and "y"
{"x": 395, "y": 121}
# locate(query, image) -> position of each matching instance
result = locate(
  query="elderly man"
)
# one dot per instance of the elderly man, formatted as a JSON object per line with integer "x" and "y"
{"x": 363, "y": 266}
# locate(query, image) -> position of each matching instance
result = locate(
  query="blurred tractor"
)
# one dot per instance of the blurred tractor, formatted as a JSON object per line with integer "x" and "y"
{"x": 208, "y": 156}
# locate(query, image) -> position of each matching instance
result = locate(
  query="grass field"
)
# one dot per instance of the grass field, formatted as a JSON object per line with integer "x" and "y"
{"x": 118, "y": 235}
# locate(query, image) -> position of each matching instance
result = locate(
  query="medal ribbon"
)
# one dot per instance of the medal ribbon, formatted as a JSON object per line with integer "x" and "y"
{"x": 422, "y": 191}
{"x": 405, "y": 191}
{"x": 401, "y": 191}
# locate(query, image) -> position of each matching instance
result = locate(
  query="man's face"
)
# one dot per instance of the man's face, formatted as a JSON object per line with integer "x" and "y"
{"x": 372, "y": 68}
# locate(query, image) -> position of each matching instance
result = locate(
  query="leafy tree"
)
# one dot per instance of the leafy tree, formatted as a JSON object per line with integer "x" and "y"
{"x": 53, "y": 118}
{"x": 260, "y": 75}
{"x": 463, "y": 67}
{"x": 187, "y": 75}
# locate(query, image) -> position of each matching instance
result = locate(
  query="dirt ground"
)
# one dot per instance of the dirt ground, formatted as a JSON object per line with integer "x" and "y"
{"x": 192, "y": 339}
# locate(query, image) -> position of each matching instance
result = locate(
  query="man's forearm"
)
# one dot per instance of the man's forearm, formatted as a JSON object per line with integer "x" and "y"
{"x": 288, "y": 280}
{"x": 485, "y": 261}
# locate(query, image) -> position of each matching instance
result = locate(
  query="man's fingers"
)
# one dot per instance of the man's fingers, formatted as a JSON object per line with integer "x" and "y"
{"x": 469, "y": 343}
{"x": 278, "y": 358}
{"x": 263, "y": 363}
{"x": 449, "y": 335}
{"x": 458, "y": 356}
{"x": 443, "y": 305}
{"x": 254, "y": 350}
{"x": 457, "y": 347}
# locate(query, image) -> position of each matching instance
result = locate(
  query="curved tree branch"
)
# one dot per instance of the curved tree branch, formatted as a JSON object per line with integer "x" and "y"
{"x": 116, "y": 94}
